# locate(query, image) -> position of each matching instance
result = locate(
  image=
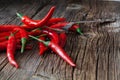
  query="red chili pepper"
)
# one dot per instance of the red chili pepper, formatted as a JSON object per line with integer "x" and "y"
{"x": 24, "y": 37}
{"x": 52, "y": 35}
{"x": 6, "y": 28}
{"x": 63, "y": 25}
{"x": 33, "y": 24}
{"x": 42, "y": 47}
{"x": 63, "y": 38}
{"x": 57, "y": 49}
{"x": 11, "y": 47}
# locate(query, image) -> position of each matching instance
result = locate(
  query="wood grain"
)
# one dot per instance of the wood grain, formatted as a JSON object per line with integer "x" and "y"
{"x": 96, "y": 53}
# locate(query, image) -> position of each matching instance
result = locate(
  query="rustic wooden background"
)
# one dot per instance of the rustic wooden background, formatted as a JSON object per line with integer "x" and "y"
{"x": 97, "y": 53}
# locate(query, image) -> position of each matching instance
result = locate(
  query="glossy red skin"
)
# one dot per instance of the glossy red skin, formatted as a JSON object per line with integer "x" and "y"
{"x": 63, "y": 38}
{"x": 11, "y": 47}
{"x": 63, "y": 24}
{"x": 52, "y": 35}
{"x": 22, "y": 32}
{"x": 6, "y": 28}
{"x": 3, "y": 39}
{"x": 27, "y": 21}
{"x": 42, "y": 47}
{"x": 58, "y": 50}
{"x": 2, "y": 34}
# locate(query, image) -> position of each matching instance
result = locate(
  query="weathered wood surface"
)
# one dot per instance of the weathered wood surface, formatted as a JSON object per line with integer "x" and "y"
{"x": 97, "y": 53}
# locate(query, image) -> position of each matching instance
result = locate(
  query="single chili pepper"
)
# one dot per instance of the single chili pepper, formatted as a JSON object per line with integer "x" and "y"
{"x": 63, "y": 25}
{"x": 63, "y": 38}
{"x": 42, "y": 47}
{"x": 52, "y": 21}
{"x": 52, "y": 35}
{"x": 57, "y": 49}
{"x": 26, "y": 20}
{"x": 11, "y": 47}
{"x": 24, "y": 37}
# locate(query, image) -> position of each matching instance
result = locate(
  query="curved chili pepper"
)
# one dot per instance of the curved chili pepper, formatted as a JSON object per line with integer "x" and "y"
{"x": 26, "y": 20}
{"x": 24, "y": 37}
{"x": 74, "y": 27}
{"x": 52, "y": 21}
{"x": 11, "y": 47}
{"x": 52, "y": 35}
{"x": 42, "y": 47}
{"x": 63, "y": 38}
{"x": 57, "y": 49}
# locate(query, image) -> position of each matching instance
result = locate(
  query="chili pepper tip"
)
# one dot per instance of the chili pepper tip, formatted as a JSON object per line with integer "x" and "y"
{"x": 23, "y": 41}
{"x": 19, "y": 15}
{"x": 79, "y": 31}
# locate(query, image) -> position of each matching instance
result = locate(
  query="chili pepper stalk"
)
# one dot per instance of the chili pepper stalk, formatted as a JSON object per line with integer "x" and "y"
{"x": 57, "y": 49}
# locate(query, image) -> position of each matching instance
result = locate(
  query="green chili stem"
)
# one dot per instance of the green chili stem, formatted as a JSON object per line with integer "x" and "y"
{"x": 19, "y": 15}
{"x": 44, "y": 42}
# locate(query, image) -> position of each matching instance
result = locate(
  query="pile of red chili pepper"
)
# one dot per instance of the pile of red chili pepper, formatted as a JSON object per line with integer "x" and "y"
{"x": 49, "y": 32}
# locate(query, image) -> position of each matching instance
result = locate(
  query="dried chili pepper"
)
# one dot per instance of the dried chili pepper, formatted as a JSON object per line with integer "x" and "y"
{"x": 33, "y": 24}
{"x": 24, "y": 37}
{"x": 63, "y": 25}
{"x": 57, "y": 49}
{"x": 11, "y": 47}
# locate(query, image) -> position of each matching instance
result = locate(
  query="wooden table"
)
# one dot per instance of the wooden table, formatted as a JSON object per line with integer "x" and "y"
{"x": 96, "y": 53}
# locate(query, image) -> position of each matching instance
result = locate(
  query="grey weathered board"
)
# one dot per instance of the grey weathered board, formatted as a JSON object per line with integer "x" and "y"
{"x": 96, "y": 53}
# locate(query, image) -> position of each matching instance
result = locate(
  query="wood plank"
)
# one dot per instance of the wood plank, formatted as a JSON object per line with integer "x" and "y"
{"x": 96, "y": 53}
